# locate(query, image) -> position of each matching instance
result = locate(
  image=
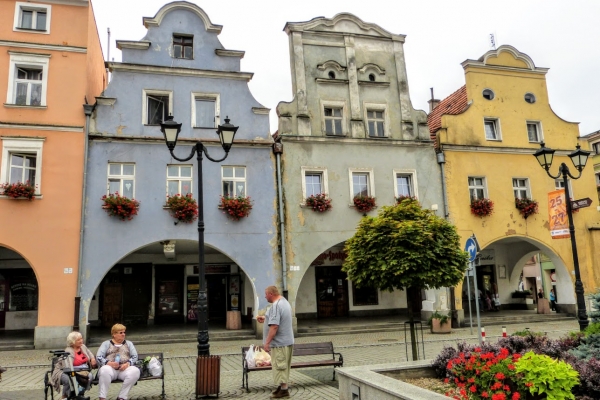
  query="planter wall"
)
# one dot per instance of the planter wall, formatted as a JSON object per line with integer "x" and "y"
{"x": 438, "y": 327}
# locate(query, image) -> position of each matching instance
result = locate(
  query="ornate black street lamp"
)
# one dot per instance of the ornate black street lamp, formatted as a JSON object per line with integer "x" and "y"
{"x": 226, "y": 132}
{"x": 579, "y": 158}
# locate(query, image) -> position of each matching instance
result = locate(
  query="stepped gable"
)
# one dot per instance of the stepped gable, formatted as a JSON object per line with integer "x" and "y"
{"x": 454, "y": 104}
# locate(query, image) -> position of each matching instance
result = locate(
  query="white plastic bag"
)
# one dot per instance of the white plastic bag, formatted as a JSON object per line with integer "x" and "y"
{"x": 250, "y": 357}
{"x": 154, "y": 367}
{"x": 262, "y": 358}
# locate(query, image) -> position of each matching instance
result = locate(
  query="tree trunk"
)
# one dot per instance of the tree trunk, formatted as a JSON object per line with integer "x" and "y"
{"x": 413, "y": 333}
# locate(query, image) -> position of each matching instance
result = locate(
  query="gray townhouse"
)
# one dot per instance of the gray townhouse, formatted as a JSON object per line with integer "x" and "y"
{"x": 144, "y": 271}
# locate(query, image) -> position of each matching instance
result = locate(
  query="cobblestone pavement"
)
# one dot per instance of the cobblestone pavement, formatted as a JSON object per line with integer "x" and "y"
{"x": 25, "y": 375}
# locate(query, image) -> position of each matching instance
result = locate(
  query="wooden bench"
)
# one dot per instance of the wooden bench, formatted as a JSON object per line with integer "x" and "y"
{"x": 300, "y": 350}
{"x": 141, "y": 357}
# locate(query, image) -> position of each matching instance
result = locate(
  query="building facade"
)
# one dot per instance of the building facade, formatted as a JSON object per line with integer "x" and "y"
{"x": 593, "y": 140}
{"x": 51, "y": 64}
{"x": 145, "y": 270}
{"x": 487, "y": 132}
{"x": 349, "y": 131}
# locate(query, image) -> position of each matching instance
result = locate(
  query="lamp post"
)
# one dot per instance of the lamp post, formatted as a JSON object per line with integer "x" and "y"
{"x": 226, "y": 132}
{"x": 579, "y": 158}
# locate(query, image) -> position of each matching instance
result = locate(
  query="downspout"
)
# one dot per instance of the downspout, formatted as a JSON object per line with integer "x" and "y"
{"x": 278, "y": 150}
{"x": 441, "y": 160}
{"x": 88, "y": 109}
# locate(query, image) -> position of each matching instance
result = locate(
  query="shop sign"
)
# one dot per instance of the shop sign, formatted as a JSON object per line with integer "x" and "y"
{"x": 334, "y": 256}
{"x": 485, "y": 257}
{"x": 214, "y": 269}
{"x": 23, "y": 286}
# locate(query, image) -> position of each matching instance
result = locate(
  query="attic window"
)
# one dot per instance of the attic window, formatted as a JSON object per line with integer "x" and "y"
{"x": 488, "y": 94}
{"x": 530, "y": 98}
{"x": 331, "y": 75}
{"x": 183, "y": 47}
{"x": 371, "y": 77}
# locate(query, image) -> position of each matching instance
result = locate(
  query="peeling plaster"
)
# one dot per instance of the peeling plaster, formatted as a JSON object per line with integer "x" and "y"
{"x": 510, "y": 232}
{"x": 301, "y": 218}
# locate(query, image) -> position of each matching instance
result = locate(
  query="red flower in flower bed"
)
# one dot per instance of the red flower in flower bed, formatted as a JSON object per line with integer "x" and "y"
{"x": 236, "y": 207}
{"x": 19, "y": 189}
{"x": 482, "y": 207}
{"x": 319, "y": 202}
{"x": 120, "y": 206}
{"x": 183, "y": 208}
{"x": 364, "y": 204}
{"x": 526, "y": 207}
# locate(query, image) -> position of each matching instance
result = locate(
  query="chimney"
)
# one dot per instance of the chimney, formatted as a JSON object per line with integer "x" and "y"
{"x": 433, "y": 103}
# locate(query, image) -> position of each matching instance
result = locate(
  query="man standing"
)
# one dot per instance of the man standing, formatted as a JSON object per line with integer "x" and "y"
{"x": 278, "y": 338}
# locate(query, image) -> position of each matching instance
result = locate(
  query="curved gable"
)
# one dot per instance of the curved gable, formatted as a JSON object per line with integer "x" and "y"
{"x": 508, "y": 56}
{"x": 182, "y": 5}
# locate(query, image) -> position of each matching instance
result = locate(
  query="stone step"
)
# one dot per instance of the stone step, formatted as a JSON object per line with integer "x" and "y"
{"x": 17, "y": 345}
{"x": 341, "y": 330}
{"x": 517, "y": 320}
{"x": 245, "y": 334}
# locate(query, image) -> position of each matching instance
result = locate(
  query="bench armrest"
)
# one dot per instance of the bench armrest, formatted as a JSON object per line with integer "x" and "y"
{"x": 340, "y": 357}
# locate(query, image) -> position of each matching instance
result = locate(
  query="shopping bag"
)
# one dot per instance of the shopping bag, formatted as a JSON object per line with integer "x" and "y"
{"x": 154, "y": 367}
{"x": 262, "y": 358}
{"x": 250, "y": 357}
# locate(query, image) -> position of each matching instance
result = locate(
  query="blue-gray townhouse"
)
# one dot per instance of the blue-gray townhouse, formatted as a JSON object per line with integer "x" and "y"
{"x": 144, "y": 270}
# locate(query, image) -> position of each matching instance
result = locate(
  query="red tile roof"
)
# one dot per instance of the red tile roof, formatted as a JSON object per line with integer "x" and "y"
{"x": 454, "y": 104}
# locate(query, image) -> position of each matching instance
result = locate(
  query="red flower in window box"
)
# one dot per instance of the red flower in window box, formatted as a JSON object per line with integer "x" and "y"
{"x": 120, "y": 206}
{"x": 19, "y": 189}
{"x": 236, "y": 207}
{"x": 402, "y": 197}
{"x": 482, "y": 207}
{"x": 183, "y": 208}
{"x": 319, "y": 202}
{"x": 364, "y": 204}
{"x": 526, "y": 207}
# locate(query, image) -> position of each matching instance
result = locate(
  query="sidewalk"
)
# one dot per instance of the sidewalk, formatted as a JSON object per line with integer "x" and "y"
{"x": 24, "y": 378}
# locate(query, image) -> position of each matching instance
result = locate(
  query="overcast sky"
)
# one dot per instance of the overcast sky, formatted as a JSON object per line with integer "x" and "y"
{"x": 559, "y": 35}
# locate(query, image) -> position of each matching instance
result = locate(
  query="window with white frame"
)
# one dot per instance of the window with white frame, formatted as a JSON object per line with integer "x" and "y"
{"x": 404, "y": 183}
{"x": 361, "y": 182}
{"x": 560, "y": 184}
{"x": 233, "y": 181}
{"x": 179, "y": 180}
{"x": 32, "y": 17}
{"x": 376, "y": 123}
{"x": 333, "y": 123}
{"x": 596, "y": 147}
{"x": 521, "y": 188}
{"x": 534, "y": 132}
{"x": 22, "y": 161}
{"x": 477, "y": 188}
{"x": 121, "y": 179}
{"x": 183, "y": 46}
{"x": 28, "y": 79}
{"x": 157, "y": 106}
{"x": 492, "y": 131}
{"x": 314, "y": 181}
{"x": 205, "y": 110}
{"x": 597, "y": 178}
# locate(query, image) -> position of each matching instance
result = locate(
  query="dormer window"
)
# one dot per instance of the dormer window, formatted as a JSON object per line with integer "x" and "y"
{"x": 371, "y": 77}
{"x": 183, "y": 47}
{"x": 331, "y": 75}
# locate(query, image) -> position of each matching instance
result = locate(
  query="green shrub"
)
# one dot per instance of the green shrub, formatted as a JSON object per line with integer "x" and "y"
{"x": 527, "y": 333}
{"x": 595, "y": 315}
{"x": 592, "y": 329}
{"x": 442, "y": 317}
{"x": 542, "y": 374}
{"x": 589, "y": 348}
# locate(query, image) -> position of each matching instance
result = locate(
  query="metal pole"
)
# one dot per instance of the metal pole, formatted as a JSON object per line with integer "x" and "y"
{"x": 581, "y": 308}
{"x": 469, "y": 294}
{"x": 203, "y": 345}
{"x": 477, "y": 302}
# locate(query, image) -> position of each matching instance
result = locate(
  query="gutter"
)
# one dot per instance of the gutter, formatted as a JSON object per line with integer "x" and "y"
{"x": 278, "y": 150}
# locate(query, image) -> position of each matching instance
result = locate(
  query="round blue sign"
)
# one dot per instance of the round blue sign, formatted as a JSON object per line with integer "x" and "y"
{"x": 471, "y": 248}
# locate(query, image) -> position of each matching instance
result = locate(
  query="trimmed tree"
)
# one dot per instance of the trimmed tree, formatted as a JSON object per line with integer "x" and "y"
{"x": 405, "y": 247}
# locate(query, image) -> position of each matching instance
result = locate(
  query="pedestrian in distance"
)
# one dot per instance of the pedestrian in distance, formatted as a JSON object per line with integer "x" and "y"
{"x": 278, "y": 339}
{"x": 540, "y": 294}
{"x": 117, "y": 358}
{"x": 552, "y": 300}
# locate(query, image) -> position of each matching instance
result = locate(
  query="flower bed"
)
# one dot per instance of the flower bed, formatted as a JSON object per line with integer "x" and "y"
{"x": 364, "y": 204}
{"x": 183, "y": 208}
{"x": 120, "y": 206}
{"x": 18, "y": 190}
{"x": 482, "y": 207}
{"x": 319, "y": 202}
{"x": 236, "y": 208}
{"x": 526, "y": 207}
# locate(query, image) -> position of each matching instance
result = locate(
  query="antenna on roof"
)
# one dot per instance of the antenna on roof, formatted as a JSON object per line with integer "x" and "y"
{"x": 492, "y": 41}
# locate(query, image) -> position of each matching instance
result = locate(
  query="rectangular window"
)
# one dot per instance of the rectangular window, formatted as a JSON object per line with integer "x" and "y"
{"x": 404, "y": 185}
{"x": 596, "y": 147}
{"x": 28, "y": 78}
{"x": 179, "y": 179}
{"x": 559, "y": 184}
{"x": 205, "y": 113}
{"x": 314, "y": 183}
{"x": 491, "y": 129}
{"x": 234, "y": 181}
{"x": 360, "y": 184}
{"x": 28, "y": 84}
{"x": 598, "y": 179}
{"x": 183, "y": 47}
{"x": 476, "y": 188}
{"x": 521, "y": 188}
{"x": 534, "y": 132}
{"x": 22, "y": 161}
{"x": 32, "y": 17}
{"x": 364, "y": 296}
{"x": 333, "y": 121}
{"x": 376, "y": 123}
{"x": 157, "y": 108}
{"x": 121, "y": 179}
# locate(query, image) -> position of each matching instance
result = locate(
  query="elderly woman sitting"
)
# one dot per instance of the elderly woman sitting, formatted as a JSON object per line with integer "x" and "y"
{"x": 82, "y": 359}
{"x": 117, "y": 358}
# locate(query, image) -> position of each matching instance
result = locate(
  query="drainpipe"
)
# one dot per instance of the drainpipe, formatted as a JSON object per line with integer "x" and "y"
{"x": 278, "y": 150}
{"x": 88, "y": 109}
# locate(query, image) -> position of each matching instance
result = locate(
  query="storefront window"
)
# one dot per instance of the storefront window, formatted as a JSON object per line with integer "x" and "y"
{"x": 23, "y": 295}
{"x": 364, "y": 296}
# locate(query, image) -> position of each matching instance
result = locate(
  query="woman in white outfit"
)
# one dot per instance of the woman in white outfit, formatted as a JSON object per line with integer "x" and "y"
{"x": 117, "y": 359}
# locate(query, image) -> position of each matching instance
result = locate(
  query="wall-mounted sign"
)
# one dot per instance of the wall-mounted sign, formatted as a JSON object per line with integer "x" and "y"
{"x": 214, "y": 269}
{"x": 557, "y": 215}
{"x": 334, "y": 256}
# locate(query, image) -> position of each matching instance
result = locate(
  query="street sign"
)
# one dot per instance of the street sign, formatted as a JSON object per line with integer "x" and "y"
{"x": 472, "y": 247}
{"x": 581, "y": 203}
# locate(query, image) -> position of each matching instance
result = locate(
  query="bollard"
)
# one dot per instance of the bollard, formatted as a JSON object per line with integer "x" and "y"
{"x": 483, "y": 334}
{"x": 503, "y": 331}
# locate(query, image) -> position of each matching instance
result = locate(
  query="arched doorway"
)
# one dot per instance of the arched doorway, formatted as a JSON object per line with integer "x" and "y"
{"x": 158, "y": 284}
{"x": 18, "y": 292}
